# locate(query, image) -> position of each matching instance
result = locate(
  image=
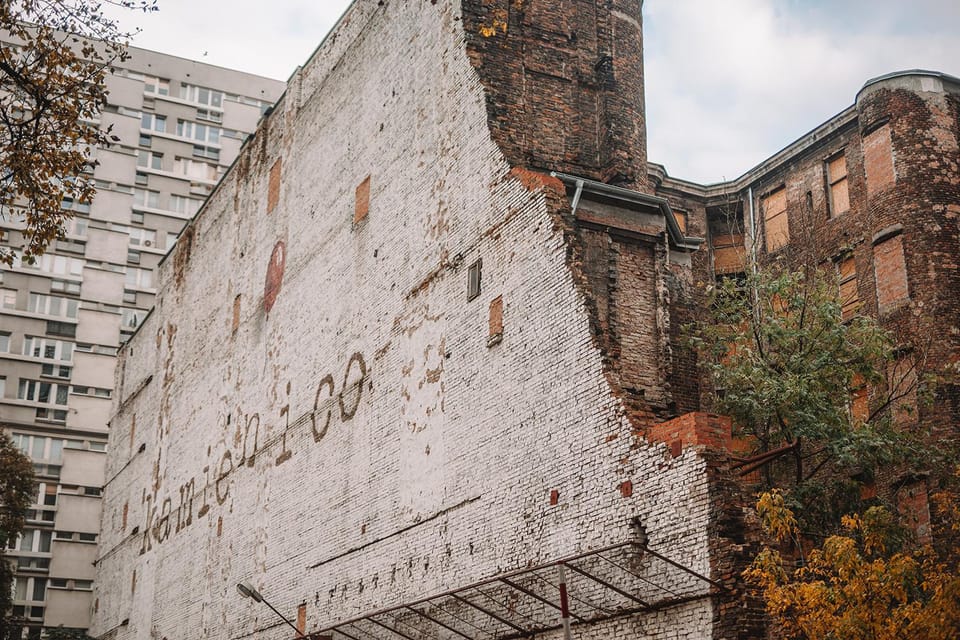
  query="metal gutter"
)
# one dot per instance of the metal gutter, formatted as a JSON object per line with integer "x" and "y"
{"x": 582, "y": 185}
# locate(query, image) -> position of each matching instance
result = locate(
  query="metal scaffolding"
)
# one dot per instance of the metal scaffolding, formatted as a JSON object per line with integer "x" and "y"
{"x": 615, "y": 581}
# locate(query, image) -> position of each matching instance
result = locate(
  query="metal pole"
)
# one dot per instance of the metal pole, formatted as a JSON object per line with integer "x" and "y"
{"x": 284, "y": 618}
{"x": 564, "y": 603}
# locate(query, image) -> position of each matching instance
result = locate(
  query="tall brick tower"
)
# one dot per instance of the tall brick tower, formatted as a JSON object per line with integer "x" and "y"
{"x": 564, "y": 81}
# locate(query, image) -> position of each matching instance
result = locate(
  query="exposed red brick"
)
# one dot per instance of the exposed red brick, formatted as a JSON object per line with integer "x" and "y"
{"x": 535, "y": 180}
{"x": 362, "y": 201}
{"x": 496, "y": 318}
{"x": 878, "y": 160}
{"x": 693, "y": 429}
{"x": 273, "y": 187}
{"x": 274, "y": 280}
{"x": 302, "y": 618}
{"x": 891, "y": 273}
{"x": 626, "y": 488}
{"x": 554, "y": 497}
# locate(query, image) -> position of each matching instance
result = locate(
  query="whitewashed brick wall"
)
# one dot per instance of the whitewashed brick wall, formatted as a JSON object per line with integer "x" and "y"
{"x": 442, "y": 475}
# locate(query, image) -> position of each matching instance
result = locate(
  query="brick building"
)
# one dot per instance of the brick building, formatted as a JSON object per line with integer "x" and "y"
{"x": 414, "y": 364}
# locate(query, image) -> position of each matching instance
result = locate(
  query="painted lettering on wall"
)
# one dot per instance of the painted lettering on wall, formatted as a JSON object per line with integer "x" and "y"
{"x": 193, "y": 500}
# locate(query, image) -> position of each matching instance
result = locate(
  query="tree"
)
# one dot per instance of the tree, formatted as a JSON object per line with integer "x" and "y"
{"x": 52, "y": 86}
{"x": 62, "y": 633}
{"x": 866, "y": 583}
{"x": 814, "y": 394}
{"x": 16, "y": 493}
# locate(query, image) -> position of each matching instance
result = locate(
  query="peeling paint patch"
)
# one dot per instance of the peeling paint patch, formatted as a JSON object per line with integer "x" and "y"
{"x": 271, "y": 288}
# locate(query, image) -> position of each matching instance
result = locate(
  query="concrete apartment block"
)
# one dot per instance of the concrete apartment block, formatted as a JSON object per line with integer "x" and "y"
{"x": 62, "y": 320}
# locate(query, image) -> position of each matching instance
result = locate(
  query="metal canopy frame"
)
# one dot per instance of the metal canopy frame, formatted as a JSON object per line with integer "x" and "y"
{"x": 615, "y": 581}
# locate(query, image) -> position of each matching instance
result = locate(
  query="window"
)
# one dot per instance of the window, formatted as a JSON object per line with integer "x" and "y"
{"x": 155, "y": 85}
{"x": 53, "y": 305}
{"x": 42, "y": 448}
{"x": 141, "y": 179}
{"x": 197, "y": 131}
{"x": 3, "y": 386}
{"x": 839, "y": 197}
{"x": 73, "y": 205}
{"x": 185, "y": 205}
{"x": 77, "y": 226}
{"x": 136, "y": 217}
{"x": 92, "y": 391}
{"x": 201, "y": 95}
{"x": 65, "y": 329}
{"x": 55, "y": 371}
{"x": 65, "y": 286}
{"x": 8, "y": 298}
{"x": 131, "y": 318}
{"x": 43, "y": 392}
{"x": 153, "y": 122}
{"x": 60, "y": 265}
{"x": 142, "y": 237}
{"x": 849, "y": 295}
{"x": 211, "y": 153}
{"x": 146, "y": 198}
{"x": 195, "y": 169}
{"x": 4, "y": 342}
{"x": 473, "y": 280}
{"x": 208, "y": 114}
{"x": 139, "y": 278}
{"x": 171, "y": 240}
{"x": 775, "y": 219}
{"x": 130, "y": 297}
{"x": 48, "y": 348}
{"x": 150, "y": 159}
{"x": 145, "y": 140}
{"x": 891, "y": 272}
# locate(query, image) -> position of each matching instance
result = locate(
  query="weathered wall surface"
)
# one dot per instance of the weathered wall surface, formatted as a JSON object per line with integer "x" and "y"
{"x": 314, "y": 405}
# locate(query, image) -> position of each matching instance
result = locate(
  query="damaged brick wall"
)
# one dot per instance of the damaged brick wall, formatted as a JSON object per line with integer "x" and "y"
{"x": 564, "y": 84}
{"x": 350, "y": 436}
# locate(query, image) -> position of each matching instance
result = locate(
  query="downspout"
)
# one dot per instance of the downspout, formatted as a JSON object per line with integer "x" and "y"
{"x": 576, "y": 198}
{"x": 753, "y": 233}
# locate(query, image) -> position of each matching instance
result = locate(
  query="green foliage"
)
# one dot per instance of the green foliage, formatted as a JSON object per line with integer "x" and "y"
{"x": 785, "y": 359}
{"x": 52, "y": 86}
{"x": 16, "y": 493}
{"x": 62, "y": 633}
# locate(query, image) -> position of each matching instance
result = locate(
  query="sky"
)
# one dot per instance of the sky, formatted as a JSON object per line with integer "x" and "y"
{"x": 728, "y": 82}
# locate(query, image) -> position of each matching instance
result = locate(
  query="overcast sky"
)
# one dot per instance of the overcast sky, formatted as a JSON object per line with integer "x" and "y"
{"x": 728, "y": 82}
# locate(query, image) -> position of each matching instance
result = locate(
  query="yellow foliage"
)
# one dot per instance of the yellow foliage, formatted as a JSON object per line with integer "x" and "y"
{"x": 497, "y": 24}
{"x": 854, "y": 586}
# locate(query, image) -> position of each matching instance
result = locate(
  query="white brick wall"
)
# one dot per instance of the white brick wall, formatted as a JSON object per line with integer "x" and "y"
{"x": 443, "y": 424}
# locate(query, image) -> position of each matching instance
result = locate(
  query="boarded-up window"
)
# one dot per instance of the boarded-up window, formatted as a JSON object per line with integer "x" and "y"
{"x": 496, "y": 321}
{"x": 729, "y": 253}
{"x": 302, "y": 619}
{"x": 878, "y": 159}
{"x": 859, "y": 400}
{"x": 273, "y": 189}
{"x": 891, "y": 273}
{"x": 681, "y": 219}
{"x": 776, "y": 226}
{"x": 236, "y": 314}
{"x": 849, "y": 294}
{"x": 837, "y": 184}
{"x": 362, "y": 205}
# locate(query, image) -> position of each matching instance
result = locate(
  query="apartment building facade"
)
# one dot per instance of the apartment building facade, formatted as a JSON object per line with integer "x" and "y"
{"x": 179, "y": 125}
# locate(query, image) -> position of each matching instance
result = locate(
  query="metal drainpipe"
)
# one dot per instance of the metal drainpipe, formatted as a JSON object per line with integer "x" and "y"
{"x": 576, "y": 198}
{"x": 753, "y": 233}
